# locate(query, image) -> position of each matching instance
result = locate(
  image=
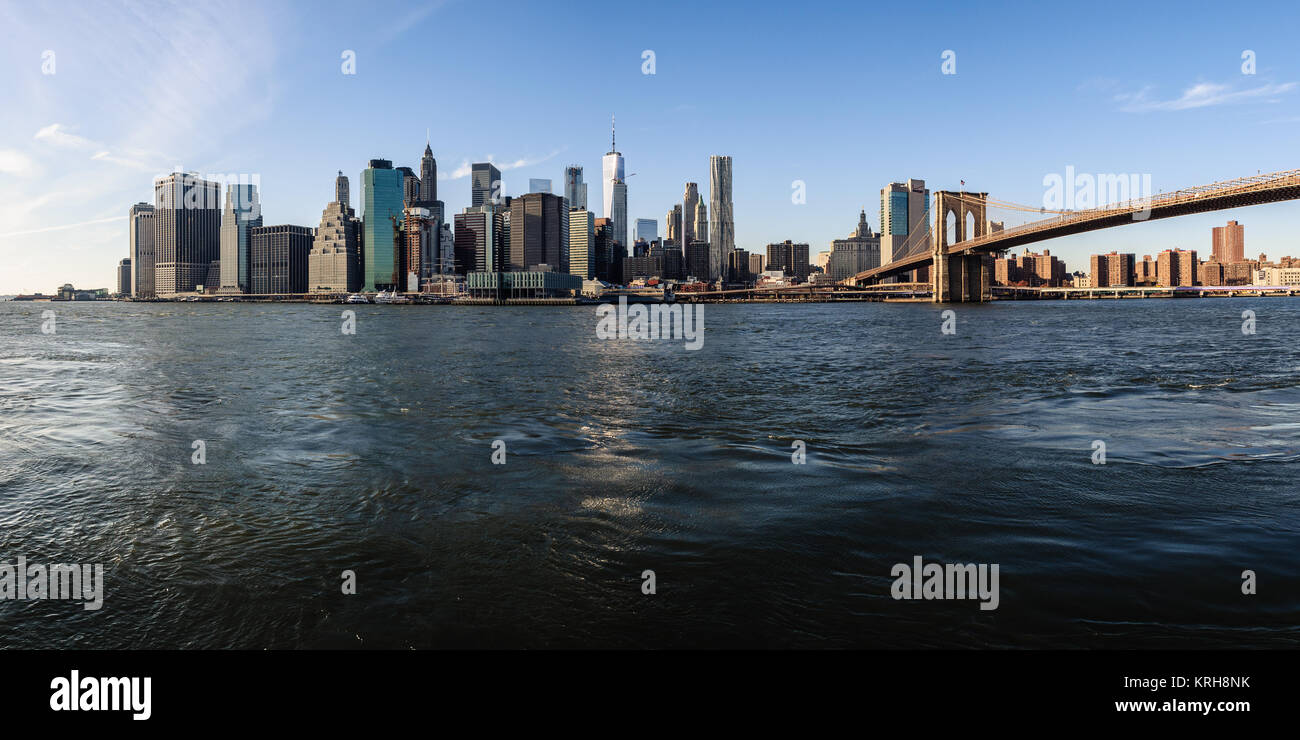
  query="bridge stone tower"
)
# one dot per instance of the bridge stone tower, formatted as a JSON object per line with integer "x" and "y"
{"x": 964, "y": 277}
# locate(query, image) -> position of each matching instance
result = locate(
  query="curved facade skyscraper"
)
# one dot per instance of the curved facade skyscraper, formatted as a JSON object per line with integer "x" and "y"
{"x": 722, "y": 238}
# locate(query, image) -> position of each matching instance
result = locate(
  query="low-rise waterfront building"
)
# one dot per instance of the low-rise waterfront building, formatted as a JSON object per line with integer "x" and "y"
{"x": 517, "y": 284}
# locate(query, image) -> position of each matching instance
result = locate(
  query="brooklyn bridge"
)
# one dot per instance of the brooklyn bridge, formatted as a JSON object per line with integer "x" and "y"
{"x": 961, "y": 237}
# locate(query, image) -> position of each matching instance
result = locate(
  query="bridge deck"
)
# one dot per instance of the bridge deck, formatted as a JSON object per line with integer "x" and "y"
{"x": 1246, "y": 191}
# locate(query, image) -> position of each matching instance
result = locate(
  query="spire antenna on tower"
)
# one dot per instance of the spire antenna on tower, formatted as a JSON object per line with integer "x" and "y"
{"x": 612, "y": 147}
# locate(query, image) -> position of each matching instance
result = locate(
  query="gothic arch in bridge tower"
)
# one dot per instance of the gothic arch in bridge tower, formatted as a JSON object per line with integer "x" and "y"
{"x": 964, "y": 276}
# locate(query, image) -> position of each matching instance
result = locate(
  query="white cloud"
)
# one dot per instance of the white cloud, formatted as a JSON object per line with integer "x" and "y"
{"x": 1202, "y": 95}
{"x": 466, "y": 168}
{"x": 14, "y": 162}
{"x": 59, "y": 135}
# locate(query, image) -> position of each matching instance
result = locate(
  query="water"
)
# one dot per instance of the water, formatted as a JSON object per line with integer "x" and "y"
{"x": 372, "y": 453}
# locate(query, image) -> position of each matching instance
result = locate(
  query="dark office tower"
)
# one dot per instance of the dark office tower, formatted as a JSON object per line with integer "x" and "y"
{"x": 697, "y": 260}
{"x": 789, "y": 257}
{"x": 187, "y": 232}
{"x": 342, "y": 191}
{"x": 279, "y": 258}
{"x": 484, "y": 176}
{"x": 539, "y": 232}
{"x": 480, "y": 239}
{"x": 410, "y": 186}
{"x": 738, "y": 266}
{"x": 124, "y": 277}
{"x": 141, "y": 250}
{"x": 428, "y": 178}
{"x": 606, "y": 268}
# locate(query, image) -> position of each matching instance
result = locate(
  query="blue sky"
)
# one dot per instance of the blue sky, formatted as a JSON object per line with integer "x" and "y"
{"x": 842, "y": 96}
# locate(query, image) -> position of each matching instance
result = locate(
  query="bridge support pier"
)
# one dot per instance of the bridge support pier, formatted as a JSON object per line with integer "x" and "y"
{"x": 961, "y": 278}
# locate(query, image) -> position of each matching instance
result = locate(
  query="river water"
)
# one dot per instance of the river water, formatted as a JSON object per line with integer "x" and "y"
{"x": 372, "y": 452}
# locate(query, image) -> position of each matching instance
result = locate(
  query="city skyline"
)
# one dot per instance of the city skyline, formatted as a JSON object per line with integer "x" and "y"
{"x": 65, "y": 144}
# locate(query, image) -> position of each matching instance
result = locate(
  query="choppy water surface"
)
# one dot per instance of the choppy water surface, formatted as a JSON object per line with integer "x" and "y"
{"x": 328, "y": 452}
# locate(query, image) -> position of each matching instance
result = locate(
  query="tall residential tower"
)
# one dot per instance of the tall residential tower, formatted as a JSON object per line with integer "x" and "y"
{"x": 722, "y": 237}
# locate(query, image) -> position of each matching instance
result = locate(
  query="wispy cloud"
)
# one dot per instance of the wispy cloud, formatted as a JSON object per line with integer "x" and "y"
{"x": 59, "y": 135}
{"x": 1203, "y": 95}
{"x": 466, "y": 167}
{"x": 63, "y": 227}
{"x": 407, "y": 22}
{"x": 135, "y": 164}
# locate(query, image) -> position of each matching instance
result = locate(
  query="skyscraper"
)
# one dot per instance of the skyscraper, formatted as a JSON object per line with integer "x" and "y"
{"x": 381, "y": 218}
{"x": 539, "y": 232}
{"x": 615, "y": 189}
{"x": 700, "y": 220}
{"x": 187, "y": 232}
{"x": 420, "y": 232}
{"x": 334, "y": 263}
{"x": 428, "y": 178}
{"x": 582, "y": 243}
{"x": 904, "y": 220}
{"x": 141, "y": 250}
{"x": 690, "y": 199}
{"x": 647, "y": 229}
{"x": 410, "y": 186}
{"x": 480, "y": 239}
{"x": 697, "y": 260}
{"x": 278, "y": 262}
{"x": 673, "y": 226}
{"x": 539, "y": 185}
{"x": 1229, "y": 243}
{"x": 484, "y": 182}
{"x": 243, "y": 212}
{"x": 575, "y": 190}
{"x": 343, "y": 191}
{"x": 124, "y": 276}
{"x": 722, "y": 238}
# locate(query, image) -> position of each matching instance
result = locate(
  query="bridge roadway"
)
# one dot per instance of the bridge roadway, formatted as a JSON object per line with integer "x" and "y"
{"x": 1245, "y": 191}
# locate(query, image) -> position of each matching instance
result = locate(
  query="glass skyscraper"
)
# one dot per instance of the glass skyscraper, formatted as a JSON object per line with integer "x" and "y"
{"x": 381, "y": 218}
{"x": 646, "y": 229}
{"x": 575, "y": 190}
{"x": 904, "y": 220}
{"x": 615, "y": 191}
